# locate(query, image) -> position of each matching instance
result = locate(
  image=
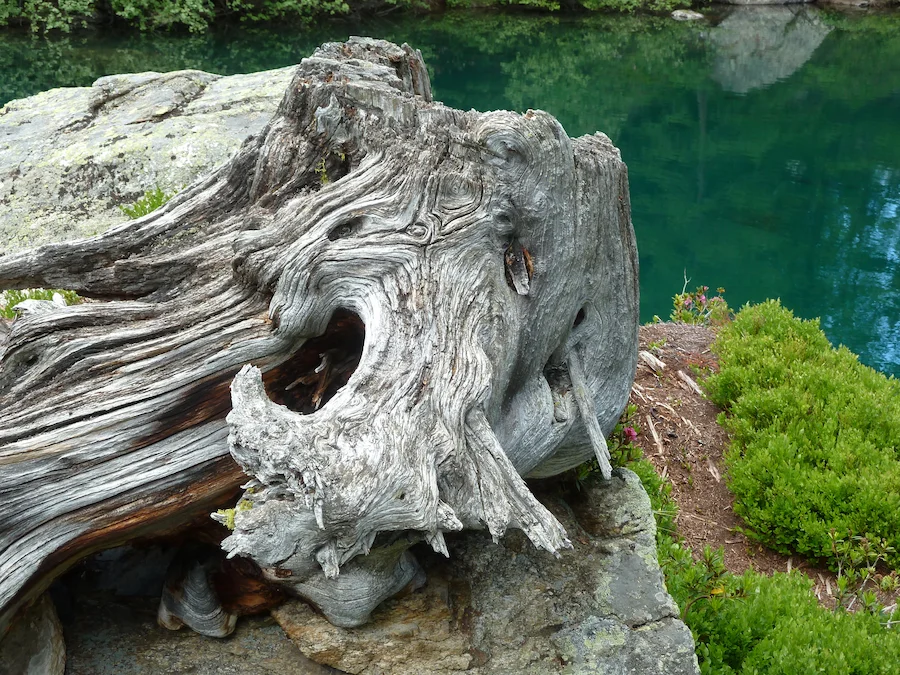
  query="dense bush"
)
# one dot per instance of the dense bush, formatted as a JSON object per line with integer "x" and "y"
{"x": 758, "y": 624}
{"x": 195, "y": 15}
{"x": 755, "y": 624}
{"x": 816, "y": 435}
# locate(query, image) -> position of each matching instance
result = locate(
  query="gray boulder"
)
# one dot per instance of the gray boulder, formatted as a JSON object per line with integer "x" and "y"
{"x": 70, "y": 157}
{"x": 687, "y": 15}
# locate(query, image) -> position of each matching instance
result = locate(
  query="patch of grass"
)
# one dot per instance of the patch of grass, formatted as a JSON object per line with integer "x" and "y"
{"x": 151, "y": 201}
{"x": 816, "y": 436}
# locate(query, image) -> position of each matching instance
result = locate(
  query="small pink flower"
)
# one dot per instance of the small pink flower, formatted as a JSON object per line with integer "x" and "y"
{"x": 688, "y": 302}
{"x": 702, "y": 299}
{"x": 630, "y": 434}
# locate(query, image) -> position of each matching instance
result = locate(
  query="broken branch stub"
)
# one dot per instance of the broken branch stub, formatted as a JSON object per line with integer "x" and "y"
{"x": 409, "y": 283}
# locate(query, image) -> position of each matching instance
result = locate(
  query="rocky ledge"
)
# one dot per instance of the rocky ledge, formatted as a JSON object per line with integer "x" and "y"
{"x": 510, "y": 609}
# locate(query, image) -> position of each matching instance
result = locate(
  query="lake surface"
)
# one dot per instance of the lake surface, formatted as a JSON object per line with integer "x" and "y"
{"x": 763, "y": 147}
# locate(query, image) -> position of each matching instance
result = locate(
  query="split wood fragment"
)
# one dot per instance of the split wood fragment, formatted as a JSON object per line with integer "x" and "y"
{"x": 693, "y": 386}
{"x": 656, "y": 440}
{"x": 650, "y": 360}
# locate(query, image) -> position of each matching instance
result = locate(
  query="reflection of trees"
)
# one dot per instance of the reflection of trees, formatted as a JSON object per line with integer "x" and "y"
{"x": 800, "y": 186}
{"x": 29, "y": 64}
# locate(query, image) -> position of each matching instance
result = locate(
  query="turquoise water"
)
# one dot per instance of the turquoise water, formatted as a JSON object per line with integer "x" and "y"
{"x": 763, "y": 147}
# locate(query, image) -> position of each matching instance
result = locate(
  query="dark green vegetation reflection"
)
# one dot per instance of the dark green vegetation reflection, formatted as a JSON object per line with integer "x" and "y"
{"x": 763, "y": 147}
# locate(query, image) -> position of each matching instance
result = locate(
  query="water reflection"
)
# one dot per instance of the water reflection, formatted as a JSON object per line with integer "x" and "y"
{"x": 757, "y": 46}
{"x": 763, "y": 152}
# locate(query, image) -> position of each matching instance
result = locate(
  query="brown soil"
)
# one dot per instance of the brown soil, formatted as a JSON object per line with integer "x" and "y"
{"x": 690, "y": 449}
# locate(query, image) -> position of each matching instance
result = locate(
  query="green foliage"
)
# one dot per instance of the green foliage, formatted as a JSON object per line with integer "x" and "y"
{"x": 322, "y": 172}
{"x": 9, "y": 299}
{"x": 622, "y": 449}
{"x": 634, "y": 5}
{"x": 858, "y": 561}
{"x": 661, "y": 501}
{"x": 816, "y": 435}
{"x": 754, "y": 624}
{"x": 702, "y": 585}
{"x": 621, "y": 446}
{"x": 195, "y": 15}
{"x": 45, "y": 15}
{"x": 198, "y": 15}
{"x": 774, "y": 625}
{"x": 270, "y": 10}
{"x": 151, "y": 201}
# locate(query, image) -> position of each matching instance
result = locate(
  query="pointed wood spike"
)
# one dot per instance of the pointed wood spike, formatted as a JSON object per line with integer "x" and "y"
{"x": 588, "y": 410}
{"x": 515, "y": 505}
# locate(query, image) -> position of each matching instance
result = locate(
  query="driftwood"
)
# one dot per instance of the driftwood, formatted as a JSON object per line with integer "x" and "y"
{"x": 390, "y": 300}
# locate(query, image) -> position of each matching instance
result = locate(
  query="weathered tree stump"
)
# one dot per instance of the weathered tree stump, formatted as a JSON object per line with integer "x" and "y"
{"x": 412, "y": 306}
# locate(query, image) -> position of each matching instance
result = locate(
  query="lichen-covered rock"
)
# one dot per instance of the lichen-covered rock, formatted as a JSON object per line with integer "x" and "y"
{"x": 511, "y": 609}
{"x": 70, "y": 157}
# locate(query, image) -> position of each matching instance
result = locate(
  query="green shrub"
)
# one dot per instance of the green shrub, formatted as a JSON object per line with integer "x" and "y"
{"x": 774, "y": 625}
{"x": 633, "y": 5}
{"x": 816, "y": 435}
{"x": 754, "y": 624}
{"x": 151, "y": 201}
{"x": 195, "y": 15}
{"x": 660, "y": 492}
{"x": 270, "y": 10}
{"x": 44, "y": 15}
{"x": 9, "y": 299}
